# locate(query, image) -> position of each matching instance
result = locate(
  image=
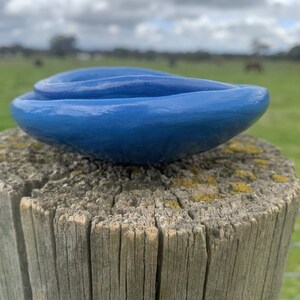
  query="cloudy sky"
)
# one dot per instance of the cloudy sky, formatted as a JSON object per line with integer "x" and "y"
{"x": 214, "y": 25}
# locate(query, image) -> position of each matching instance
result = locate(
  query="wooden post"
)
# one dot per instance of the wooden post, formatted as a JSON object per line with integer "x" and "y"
{"x": 213, "y": 226}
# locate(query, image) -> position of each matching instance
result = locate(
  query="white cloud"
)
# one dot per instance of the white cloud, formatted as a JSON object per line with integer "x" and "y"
{"x": 214, "y": 25}
{"x": 148, "y": 33}
{"x": 113, "y": 29}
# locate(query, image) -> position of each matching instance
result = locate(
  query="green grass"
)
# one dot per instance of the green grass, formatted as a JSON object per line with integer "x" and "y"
{"x": 280, "y": 125}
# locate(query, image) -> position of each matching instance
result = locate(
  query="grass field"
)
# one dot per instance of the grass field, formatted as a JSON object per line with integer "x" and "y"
{"x": 280, "y": 125}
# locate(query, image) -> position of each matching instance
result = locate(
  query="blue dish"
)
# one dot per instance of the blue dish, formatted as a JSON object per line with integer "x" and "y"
{"x": 136, "y": 116}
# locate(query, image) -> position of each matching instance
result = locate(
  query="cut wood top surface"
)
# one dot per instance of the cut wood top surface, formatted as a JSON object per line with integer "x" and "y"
{"x": 230, "y": 184}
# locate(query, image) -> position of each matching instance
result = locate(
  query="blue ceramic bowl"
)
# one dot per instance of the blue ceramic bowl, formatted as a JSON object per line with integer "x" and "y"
{"x": 139, "y": 116}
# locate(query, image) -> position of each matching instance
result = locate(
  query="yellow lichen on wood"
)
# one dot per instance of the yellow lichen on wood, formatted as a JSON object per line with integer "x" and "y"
{"x": 20, "y": 146}
{"x": 76, "y": 172}
{"x": 261, "y": 162}
{"x": 192, "y": 182}
{"x": 135, "y": 172}
{"x": 204, "y": 197}
{"x": 234, "y": 146}
{"x": 195, "y": 170}
{"x": 170, "y": 203}
{"x": 36, "y": 146}
{"x": 241, "y": 187}
{"x": 245, "y": 174}
{"x": 211, "y": 180}
{"x": 12, "y": 139}
{"x": 186, "y": 182}
{"x": 280, "y": 178}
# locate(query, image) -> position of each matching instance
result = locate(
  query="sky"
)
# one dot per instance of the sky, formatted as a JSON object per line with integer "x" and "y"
{"x": 164, "y": 25}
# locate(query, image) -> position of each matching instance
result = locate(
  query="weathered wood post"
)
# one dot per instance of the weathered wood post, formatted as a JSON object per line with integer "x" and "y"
{"x": 214, "y": 226}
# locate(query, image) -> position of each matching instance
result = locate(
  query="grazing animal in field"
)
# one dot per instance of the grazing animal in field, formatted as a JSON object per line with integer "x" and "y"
{"x": 254, "y": 66}
{"x": 38, "y": 63}
{"x": 172, "y": 61}
{"x": 218, "y": 61}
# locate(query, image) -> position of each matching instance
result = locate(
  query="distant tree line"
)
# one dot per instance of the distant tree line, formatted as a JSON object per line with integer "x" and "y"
{"x": 64, "y": 45}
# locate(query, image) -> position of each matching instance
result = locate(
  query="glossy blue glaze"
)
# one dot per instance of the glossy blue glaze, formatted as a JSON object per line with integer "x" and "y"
{"x": 139, "y": 116}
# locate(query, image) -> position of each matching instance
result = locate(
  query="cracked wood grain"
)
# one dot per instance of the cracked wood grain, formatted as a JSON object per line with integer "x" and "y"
{"x": 212, "y": 226}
